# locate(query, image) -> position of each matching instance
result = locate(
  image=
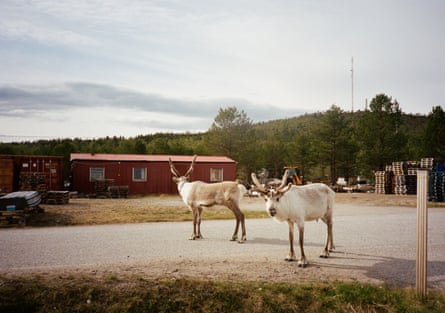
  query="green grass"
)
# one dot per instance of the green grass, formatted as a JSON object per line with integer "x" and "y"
{"x": 87, "y": 293}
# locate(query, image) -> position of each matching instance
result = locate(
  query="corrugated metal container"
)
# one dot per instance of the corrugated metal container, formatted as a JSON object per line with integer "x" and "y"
{"x": 152, "y": 172}
{"x": 6, "y": 174}
{"x": 31, "y": 172}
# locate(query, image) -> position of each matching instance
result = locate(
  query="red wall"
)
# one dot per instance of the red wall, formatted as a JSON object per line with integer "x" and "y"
{"x": 159, "y": 178}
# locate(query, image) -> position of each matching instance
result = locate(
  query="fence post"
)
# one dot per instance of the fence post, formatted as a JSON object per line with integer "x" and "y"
{"x": 422, "y": 233}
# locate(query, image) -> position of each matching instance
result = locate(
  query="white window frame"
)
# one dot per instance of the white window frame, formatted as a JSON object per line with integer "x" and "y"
{"x": 142, "y": 170}
{"x": 216, "y": 174}
{"x": 96, "y": 173}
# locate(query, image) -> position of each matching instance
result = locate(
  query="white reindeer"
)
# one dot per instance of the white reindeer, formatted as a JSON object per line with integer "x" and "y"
{"x": 297, "y": 204}
{"x": 198, "y": 195}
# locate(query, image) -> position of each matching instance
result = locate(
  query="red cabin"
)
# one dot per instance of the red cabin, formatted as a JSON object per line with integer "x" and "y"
{"x": 141, "y": 174}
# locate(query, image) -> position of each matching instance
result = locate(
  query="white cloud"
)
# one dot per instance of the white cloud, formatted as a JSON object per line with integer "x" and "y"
{"x": 188, "y": 58}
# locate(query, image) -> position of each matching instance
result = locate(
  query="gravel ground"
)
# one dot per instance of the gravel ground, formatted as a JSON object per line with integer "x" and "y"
{"x": 374, "y": 243}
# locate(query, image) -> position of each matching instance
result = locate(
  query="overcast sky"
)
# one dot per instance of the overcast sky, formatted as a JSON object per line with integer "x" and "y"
{"x": 90, "y": 68}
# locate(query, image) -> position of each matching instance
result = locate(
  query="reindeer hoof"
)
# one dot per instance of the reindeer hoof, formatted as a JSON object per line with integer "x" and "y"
{"x": 302, "y": 264}
{"x": 194, "y": 237}
{"x": 289, "y": 259}
{"x": 324, "y": 254}
{"x": 242, "y": 241}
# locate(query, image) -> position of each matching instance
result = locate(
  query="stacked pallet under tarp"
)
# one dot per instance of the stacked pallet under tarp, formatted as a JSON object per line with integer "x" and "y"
{"x": 14, "y": 205}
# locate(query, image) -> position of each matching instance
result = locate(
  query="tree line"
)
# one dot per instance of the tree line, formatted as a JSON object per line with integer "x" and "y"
{"x": 324, "y": 145}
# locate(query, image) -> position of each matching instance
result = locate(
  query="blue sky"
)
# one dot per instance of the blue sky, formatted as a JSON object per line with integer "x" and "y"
{"x": 88, "y": 68}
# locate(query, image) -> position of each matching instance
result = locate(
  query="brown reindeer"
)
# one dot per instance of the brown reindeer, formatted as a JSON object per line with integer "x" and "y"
{"x": 198, "y": 195}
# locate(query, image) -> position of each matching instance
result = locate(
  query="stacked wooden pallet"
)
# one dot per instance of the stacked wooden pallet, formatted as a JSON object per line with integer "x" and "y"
{"x": 57, "y": 197}
{"x": 383, "y": 182}
{"x": 437, "y": 186}
{"x": 32, "y": 181}
{"x": 427, "y": 163}
{"x": 411, "y": 177}
{"x": 399, "y": 178}
{"x": 118, "y": 191}
{"x": 101, "y": 187}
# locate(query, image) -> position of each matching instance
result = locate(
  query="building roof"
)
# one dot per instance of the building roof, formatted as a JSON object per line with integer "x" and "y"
{"x": 148, "y": 158}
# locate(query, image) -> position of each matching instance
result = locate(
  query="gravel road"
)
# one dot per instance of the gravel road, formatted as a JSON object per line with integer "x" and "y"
{"x": 376, "y": 245}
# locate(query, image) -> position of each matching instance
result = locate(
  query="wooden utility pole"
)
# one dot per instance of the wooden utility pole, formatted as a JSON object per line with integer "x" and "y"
{"x": 422, "y": 233}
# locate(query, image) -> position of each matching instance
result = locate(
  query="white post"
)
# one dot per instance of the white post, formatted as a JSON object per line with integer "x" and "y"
{"x": 422, "y": 233}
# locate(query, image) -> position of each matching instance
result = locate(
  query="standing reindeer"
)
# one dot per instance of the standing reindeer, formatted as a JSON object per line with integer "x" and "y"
{"x": 296, "y": 205}
{"x": 198, "y": 195}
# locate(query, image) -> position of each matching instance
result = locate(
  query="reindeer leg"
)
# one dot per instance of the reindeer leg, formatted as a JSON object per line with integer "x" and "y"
{"x": 329, "y": 239}
{"x": 235, "y": 232}
{"x": 195, "y": 221}
{"x": 325, "y": 252}
{"x": 239, "y": 220}
{"x": 331, "y": 235}
{"x": 199, "y": 236}
{"x": 243, "y": 228}
{"x": 291, "y": 256}
{"x": 303, "y": 262}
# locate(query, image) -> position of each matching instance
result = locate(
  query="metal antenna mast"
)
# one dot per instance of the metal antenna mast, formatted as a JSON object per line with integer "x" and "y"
{"x": 352, "y": 83}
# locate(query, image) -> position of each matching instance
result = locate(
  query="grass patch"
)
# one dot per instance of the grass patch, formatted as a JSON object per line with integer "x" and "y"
{"x": 87, "y": 293}
{"x": 84, "y": 211}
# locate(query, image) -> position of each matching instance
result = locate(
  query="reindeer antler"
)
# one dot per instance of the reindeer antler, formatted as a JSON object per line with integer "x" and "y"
{"x": 283, "y": 180}
{"x": 258, "y": 186}
{"x": 190, "y": 170}
{"x": 173, "y": 169}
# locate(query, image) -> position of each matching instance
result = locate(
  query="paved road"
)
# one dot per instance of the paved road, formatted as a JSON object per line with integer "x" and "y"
{"x": 380, "y": 247}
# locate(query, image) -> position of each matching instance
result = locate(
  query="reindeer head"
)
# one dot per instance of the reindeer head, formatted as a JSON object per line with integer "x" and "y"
{"x": 272, "y": 195}
{"x": 177, "y": 178}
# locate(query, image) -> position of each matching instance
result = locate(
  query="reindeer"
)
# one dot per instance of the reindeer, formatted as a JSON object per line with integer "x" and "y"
{"x": 297, "y": 204}
{"x": 197, "y": 195}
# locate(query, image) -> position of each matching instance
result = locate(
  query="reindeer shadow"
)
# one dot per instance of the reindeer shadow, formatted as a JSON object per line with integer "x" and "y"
{"x": 281, "y": 242}
{"x": 392, "y": 271}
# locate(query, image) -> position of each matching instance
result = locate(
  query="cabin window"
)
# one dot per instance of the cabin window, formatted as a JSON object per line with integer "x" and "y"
{"x": 216, "y": 174}
{"x": 139, "y": 174}
{"x": 97, "y": 173}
